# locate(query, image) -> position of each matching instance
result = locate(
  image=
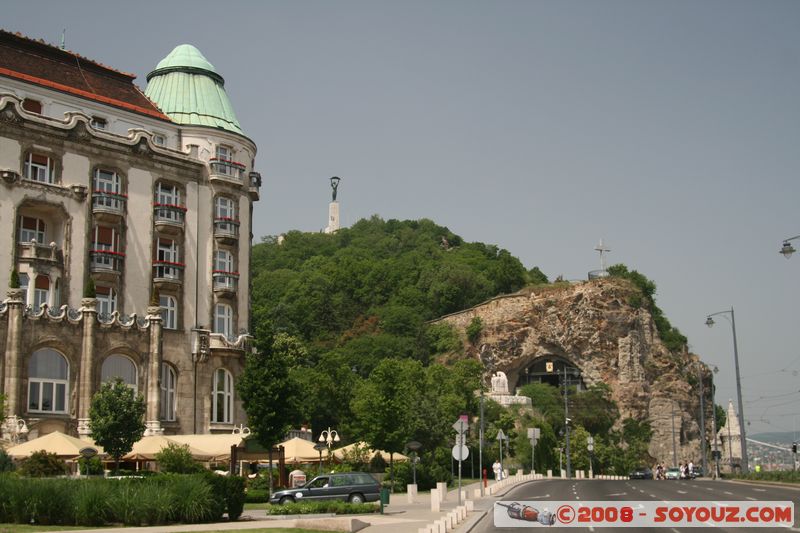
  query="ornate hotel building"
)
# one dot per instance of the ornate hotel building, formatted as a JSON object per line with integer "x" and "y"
{"x": 146, "y": 196}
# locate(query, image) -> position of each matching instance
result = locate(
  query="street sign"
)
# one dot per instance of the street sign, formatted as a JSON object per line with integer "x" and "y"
{"x": 590, "y": 447}
{"x": 501, "y": 435}
{"x": 461, "y": 425}
{"x": 88, "y": 452}
{"x": 534, "y": 433}
{"x": 463, "y": 450}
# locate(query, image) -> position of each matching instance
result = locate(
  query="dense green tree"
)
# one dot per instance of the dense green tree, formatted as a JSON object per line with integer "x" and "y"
{"x": 720, "y": 415}
{"x": 116, "y": 418}
{"x": 537, "y": 277}
{"x": 385, "y": 405}
{"x": 269, "y": 394}
{"x": 594, "y": 409}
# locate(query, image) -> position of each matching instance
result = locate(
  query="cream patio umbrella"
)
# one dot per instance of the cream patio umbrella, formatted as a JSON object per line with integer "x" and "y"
{"x": 297, "y": 451}
{"x": 147, "y": 448}
{"x": 369, "y": 452}
{"x": 217, "y": 447}
{"x": 62, "y": 445}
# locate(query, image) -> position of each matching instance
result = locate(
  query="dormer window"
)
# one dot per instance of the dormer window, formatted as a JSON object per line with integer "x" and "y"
{"x": 99, "y": 123}
{"x": 159, "y": 140}
{"x": 32, "y": 106}
{"x": 38, "y": 167}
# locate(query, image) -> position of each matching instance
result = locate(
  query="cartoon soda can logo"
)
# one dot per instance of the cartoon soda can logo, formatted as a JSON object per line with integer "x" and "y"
{"x": 529, "y": 514}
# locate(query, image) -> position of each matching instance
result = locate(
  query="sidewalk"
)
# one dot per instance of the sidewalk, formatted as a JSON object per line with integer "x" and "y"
{"x": 399, "y": 517}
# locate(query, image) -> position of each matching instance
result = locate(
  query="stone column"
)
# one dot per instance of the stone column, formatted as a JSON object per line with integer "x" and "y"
{"x": 86, "y": 376}
{"x": 13, "y": 371}
{"x": 153, "y": 398}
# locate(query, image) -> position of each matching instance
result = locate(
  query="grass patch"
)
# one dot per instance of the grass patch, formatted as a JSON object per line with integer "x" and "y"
{"x": 25, "y": 528}
{"x": 785, "y": 476}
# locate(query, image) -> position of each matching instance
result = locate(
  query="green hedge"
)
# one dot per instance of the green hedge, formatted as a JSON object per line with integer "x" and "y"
{"x": 786, "y": 476}
{"x": 256, "y": 496}
{"x": 337, "y": 507}
{"x": 155, "y": 500}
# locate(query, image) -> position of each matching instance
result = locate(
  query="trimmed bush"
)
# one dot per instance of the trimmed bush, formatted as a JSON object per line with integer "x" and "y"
{"x": 6, "y": 464}
{"x": 338, "y": 507}
{"x": 43, "y": 464}
{"x": 228, "y": 493}
{"x": 177, "y": 459}
{"x": 256, "y": 496}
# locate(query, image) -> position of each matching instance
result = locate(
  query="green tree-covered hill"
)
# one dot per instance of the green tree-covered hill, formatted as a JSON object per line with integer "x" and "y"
{"x": 377, "y": 278}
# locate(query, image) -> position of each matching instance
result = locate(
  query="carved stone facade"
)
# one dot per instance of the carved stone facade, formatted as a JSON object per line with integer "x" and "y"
{"x": 592, "y": 330}
{"x": 102, "y": 188}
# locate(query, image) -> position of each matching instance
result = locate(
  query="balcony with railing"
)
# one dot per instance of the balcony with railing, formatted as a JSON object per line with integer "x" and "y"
{"x": 169, "y": 218}
{"x": 168, "y": 272}
{"x": 226, "y": 170}
{"x": 107, "y": 262}
{"x": 108, "y": 203}
{"x": 30, "y": 252}
{"x": 226, "y": 229}
{"x": 224, "y": 281}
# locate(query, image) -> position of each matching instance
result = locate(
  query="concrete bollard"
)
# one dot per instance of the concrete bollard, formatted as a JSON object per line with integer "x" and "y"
{"x": 469, "y": 505}
{"x": 441, "y": 525}
{"x": 476, "y": 493}
{"x": 442, "y": 488}
{"x": 448, "y": 520}
{"x": 411, "y": 492}
{"x": 435, "y": 502}
{"x": 549, "y": 474}
{"x": 456, "y": 517}
{"x": 563, "y": 473}
{"x": 463, "y": 495}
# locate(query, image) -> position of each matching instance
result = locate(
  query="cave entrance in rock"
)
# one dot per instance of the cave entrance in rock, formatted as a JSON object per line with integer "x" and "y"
{"x": 550, "y": 370}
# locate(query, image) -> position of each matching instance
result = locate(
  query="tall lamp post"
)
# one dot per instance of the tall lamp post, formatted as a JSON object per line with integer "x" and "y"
{"x": 742, "y": 436}
{"x": 714, "y": 423}
{"x": 414, "y": 446}
{"x": 328, "y": 437}
{"x": 703, "y": 444}
{"x": 319, "y": 447}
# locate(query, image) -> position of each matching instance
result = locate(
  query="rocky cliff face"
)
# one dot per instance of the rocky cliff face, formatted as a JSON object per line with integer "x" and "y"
{"x": 593, "y": 327}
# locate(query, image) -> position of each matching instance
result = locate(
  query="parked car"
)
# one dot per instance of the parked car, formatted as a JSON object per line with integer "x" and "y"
{"x": 353, "y": 487}
{"x": 673, "y": 473}
{"x": 641, "y": 473}
{"x": 697, "y": 471}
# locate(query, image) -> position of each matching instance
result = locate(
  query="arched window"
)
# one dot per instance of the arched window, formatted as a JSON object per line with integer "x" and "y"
{"x": 168, "y": 397}
{"x": 222, "y": 408}
{"x": 223, "y": 319}
{"x": 119, "y": 366}
{"x": 169, "y": 311}
{"x": 48, "y": 382}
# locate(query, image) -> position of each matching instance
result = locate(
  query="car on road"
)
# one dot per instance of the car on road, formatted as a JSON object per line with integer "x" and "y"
{"x": 673, "y": 473}
{"x": 353, "y": 487}
{"x": 697, "y": 471}
{"x": 641, "y": 473}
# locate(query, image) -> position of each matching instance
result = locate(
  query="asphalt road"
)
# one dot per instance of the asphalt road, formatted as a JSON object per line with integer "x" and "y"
{"x": 578, "y": 491}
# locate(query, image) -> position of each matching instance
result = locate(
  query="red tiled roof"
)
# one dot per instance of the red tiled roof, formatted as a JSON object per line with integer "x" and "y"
{"x": 48, "y": 66}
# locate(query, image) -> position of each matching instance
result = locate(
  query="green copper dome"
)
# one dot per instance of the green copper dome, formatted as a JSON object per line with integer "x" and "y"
{"x": 189, "y": 90}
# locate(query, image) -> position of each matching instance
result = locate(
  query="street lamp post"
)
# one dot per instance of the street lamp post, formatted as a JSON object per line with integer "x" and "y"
{"x": 414, "y": 446}
{"x": 742, "y": 436}
{"x": 703, "y": 444}
{"x": 319, "y": 447}
{"x": 714, "y": 424}
{"x": 328, "y": 437}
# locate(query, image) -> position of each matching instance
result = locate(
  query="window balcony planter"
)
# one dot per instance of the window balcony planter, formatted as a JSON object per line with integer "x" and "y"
{"x": 226, "y": 170}
{"x": 168, "y": 272}
{"x": 169, "y": 216}
{"x": 110, "y": 203}
{"x": 226, "y": 229}
{"x": 106, "y": 262}
{"x": 225, "y": 282}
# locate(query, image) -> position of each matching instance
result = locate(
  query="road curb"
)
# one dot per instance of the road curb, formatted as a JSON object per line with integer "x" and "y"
{"x": 470, "y": 524}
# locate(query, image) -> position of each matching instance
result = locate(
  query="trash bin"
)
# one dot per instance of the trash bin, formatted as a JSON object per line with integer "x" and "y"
{"x": 384, "y": 496}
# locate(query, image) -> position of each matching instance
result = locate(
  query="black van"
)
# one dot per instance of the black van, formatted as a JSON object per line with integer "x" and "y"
{"x": 353, "y": 487}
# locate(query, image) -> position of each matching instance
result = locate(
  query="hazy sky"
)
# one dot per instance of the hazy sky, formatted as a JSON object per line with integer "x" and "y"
{"x": 669, "y": 129}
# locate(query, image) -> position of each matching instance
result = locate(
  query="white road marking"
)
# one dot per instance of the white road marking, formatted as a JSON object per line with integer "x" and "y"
{"x": 728, "y": 493}
{"x": 618, "y": 494}
{"x": 750, "y": 498}
{"x": 591, "y": 528}
{"x": 760, "y": 490}
{"x": 681, "y": 492}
